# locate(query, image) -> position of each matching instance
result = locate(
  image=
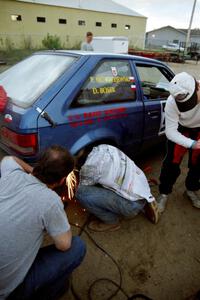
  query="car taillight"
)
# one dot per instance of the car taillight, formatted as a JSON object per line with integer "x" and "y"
{"x": 3, "y": 99}
{"x": 25, "y": 144}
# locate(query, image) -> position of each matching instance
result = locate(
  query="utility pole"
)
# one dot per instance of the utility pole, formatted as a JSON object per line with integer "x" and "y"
{"x": 190, "y": 25}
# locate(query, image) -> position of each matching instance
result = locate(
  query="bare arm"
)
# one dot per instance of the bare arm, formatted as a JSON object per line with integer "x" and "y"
{"x": 63, "y": 241}
{"x": 26, "y": 167}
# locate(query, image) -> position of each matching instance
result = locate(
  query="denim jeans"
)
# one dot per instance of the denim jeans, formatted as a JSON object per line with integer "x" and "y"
{"x": 106, "y": 204}
{"x": 48, "y": 276}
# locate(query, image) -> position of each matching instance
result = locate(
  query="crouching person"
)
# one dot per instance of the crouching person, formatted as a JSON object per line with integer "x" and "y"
{"x": 28, "y": 208}
{"x": 183, "y": 132}
{"x": 112, "y": 186}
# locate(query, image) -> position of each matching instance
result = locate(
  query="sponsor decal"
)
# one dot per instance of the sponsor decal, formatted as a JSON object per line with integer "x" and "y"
{"x": 114, "y": 71}
{"x": 89, "y": 118}
{"x": 133, "y": 87}
{"x": 8, "y": 118}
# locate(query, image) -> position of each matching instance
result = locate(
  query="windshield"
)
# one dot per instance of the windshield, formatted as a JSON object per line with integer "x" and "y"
{"x": 27, "y": 80}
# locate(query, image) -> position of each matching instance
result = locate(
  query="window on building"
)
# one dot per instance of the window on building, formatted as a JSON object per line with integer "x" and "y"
{"x": 176, "y": 41}
{"x": 81, "y": 23}
{"x": 127, "y": 27}
{"x": 111, "y": 82}
{"x": 98, "y": 24}
{"x": 114, "y": 25}
{"x": 16, "y": 17}
{"x": 62, "y": 21}
{"x": 41, "y": 19}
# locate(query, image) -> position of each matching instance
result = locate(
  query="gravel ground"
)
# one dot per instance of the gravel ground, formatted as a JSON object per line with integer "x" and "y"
{"x": 189, "y": 66}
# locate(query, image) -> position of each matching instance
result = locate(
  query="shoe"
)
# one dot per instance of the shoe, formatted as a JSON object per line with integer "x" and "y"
{"x": 194, "y": 197}
{"x": 198, "y": 193}
{"x": 99, "y": 226}
{"x": 162, "y": 202}
{"x": 152, "y": 212}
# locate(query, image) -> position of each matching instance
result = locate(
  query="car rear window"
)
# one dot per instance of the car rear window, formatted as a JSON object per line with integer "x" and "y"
{"x": 27, "y": 80}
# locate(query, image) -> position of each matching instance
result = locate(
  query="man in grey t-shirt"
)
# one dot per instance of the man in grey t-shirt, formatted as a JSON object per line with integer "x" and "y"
{"x": 28, "y": 208}
{"x": 87, "y": 45}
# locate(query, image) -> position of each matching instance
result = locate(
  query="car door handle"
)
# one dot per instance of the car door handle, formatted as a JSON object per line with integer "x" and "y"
{"x": 153, "y": 113}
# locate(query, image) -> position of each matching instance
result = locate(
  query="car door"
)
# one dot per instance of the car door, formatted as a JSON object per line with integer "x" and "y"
{"x": 108, "y": 107}
{"x": 154, "y": 80}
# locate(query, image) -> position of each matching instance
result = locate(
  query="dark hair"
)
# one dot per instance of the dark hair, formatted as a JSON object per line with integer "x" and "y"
{"x": 54, "y": 164}
{"x": 89, "y": 33}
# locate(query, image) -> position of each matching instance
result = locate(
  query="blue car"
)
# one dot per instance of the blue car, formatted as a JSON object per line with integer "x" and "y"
{"x": 81, "y": 99}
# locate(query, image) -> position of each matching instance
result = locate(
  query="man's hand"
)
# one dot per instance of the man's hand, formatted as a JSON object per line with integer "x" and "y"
{"x": 196, "y": 145}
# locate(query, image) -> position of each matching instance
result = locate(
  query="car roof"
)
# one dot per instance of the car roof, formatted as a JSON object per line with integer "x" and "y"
{"x": 102, "y": 54}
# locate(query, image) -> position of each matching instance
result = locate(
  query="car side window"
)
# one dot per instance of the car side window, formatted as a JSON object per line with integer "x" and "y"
{"x": 111, "y": 82}
{"x": 154, "y": 81}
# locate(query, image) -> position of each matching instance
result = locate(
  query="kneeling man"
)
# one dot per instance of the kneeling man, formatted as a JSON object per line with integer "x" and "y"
{"x": 111, "y": 185}
{"x": 28, "y": 208}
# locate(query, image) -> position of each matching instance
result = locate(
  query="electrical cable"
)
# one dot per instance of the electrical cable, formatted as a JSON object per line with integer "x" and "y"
{"x": 118, "y": 285}
{"x": 152, "y": 181}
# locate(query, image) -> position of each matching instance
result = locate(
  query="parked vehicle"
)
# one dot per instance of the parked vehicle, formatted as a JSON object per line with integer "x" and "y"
{"x": 194, "y": 54}
{"x": 78, "y": 99}
{"x": 173, "y": 47}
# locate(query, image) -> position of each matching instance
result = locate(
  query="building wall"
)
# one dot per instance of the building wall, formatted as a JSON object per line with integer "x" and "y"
{"x": 163, "y": 36}
{"x": 28, "y": 31}
{"x": 195, "y": 39}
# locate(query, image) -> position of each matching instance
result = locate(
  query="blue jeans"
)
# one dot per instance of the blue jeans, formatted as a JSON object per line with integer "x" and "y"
{"x": 106, "y": 204}
{"x": 48, "y": 276}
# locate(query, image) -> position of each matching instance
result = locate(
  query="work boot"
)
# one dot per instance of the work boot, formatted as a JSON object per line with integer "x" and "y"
{"x": 152, "y": 212}
{"x": 194, "y": 197}
{"x": 162, "y": 202}
{"x": 198, "y": 194}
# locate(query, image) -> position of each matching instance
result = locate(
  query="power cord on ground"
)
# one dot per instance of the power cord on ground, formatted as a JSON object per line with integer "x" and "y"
{"x": 118, "y": 285}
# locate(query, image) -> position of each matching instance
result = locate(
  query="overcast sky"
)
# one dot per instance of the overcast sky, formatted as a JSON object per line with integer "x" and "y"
{"x": 162, "y": 13}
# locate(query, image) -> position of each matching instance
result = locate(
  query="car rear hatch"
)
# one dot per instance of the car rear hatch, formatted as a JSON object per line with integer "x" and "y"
{"x": 25, "y": 86}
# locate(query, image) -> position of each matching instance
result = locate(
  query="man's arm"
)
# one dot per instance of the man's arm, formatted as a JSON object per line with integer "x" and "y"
{"x": 26, "y": 167}
{"x": 63, "y": 241}
{"x": 56, "y": 224}
{"x": 172, "y": 123}
{"x": 83, "y": 46}
{"x": 10, "y": 163}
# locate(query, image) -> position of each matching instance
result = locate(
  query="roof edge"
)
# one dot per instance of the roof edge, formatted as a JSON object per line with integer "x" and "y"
{"x": 133, "y": 14}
